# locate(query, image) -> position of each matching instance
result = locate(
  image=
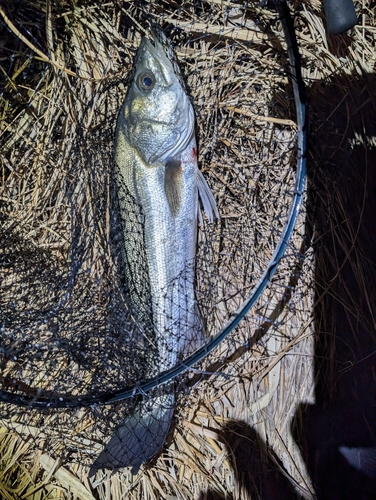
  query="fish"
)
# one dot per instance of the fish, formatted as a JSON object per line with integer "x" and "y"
{"x": 159, "y": 185}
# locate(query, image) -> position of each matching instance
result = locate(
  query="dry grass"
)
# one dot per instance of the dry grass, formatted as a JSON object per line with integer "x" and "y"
{"x": 62, "y": 89}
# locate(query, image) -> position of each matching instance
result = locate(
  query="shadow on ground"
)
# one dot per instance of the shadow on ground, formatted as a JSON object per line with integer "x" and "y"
{"x": 342, "y": 212}
{"x": 257, "y": 470}
{"x": 342, "y": 174}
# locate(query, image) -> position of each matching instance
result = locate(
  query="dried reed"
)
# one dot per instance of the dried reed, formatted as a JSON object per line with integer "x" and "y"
{"x": 57, "y": 76}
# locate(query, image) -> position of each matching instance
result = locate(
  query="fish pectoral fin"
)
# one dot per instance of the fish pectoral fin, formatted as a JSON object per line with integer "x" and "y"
{"x": 173, "y": 184}
{"x": 207, "y": 199}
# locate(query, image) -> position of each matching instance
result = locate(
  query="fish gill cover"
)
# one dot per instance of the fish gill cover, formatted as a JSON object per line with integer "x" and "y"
{"x": 68, "y": 327}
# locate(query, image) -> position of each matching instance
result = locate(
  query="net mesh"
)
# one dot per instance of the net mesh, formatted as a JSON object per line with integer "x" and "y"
{"x": 67, "y": 325}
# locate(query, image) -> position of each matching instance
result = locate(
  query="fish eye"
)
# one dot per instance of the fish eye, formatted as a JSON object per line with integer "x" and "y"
{"x": 146, "y": 81}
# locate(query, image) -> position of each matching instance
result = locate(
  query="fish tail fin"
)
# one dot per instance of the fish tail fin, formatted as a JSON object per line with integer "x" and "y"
{"x": 140, "y": 437}
{"x": 207, "y": 199}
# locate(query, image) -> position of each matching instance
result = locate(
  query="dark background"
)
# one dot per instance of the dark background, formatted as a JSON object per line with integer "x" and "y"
{"x": 342, "y": 221}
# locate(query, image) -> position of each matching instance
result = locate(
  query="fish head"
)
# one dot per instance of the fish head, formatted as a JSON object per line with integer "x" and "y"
{"x": 157, "y": 117}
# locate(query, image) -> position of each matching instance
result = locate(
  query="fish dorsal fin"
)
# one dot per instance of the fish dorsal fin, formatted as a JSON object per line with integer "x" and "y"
{"x": 207, "y": 199}
{"x": 173, "y": 184}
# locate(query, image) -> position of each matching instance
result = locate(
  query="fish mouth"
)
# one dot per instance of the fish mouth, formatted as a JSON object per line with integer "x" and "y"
{"x": 161, "y": 49}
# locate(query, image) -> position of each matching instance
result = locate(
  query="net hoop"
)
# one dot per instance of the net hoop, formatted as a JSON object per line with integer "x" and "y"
{"x": 60, "y": 401}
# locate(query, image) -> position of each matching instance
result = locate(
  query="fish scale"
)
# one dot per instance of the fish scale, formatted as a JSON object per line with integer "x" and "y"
{"x": 155, "y": 153}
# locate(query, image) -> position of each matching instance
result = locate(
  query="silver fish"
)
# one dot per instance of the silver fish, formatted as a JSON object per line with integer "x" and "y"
{"x": 155, "y": 152}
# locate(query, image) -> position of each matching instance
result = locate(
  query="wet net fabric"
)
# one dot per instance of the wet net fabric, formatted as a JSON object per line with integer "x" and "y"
{"x": 68, "y": 326}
